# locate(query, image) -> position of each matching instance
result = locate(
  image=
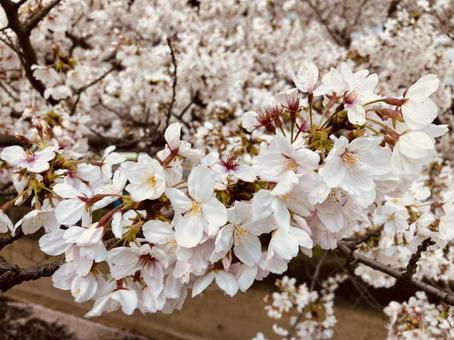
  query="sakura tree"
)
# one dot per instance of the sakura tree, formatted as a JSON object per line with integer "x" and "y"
{"x": 160, "y": 154}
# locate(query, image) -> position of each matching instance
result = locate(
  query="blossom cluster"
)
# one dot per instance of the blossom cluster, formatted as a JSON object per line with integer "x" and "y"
{"x": 404, "y": 222}
{"x": 111, "y": 60}
{"x": 146, "y": 233}
{"x": 417, "y": 318}
{"x": 314, "y": 317}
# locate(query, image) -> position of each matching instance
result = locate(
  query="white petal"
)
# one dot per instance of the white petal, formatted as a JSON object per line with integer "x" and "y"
{"x": 333, "y": 172}
{"x": 158, "y": 232}
{"x": 53, "y": 243}
{"x": 66, "y": 191}
{"x": 227, "y": 282}
{"x": 248, "y": 249}
{"x": 261, "y": 205}
{"x": 179, "y": 200}
{"x": 128, "y": 300}
{"x": 13, "y": 155}
{"x": 202, "y": 283}
{"x": 69, "y": 212}
{"x": 303, "y": 237}
{"x": 200, "y": 184}
{"x": 172, "y": 135}
{"x": 214, "y": 212}
{"x": 189, "y": 231}
{"x": 246, "y": 277}
{"x": 284, "y": 244}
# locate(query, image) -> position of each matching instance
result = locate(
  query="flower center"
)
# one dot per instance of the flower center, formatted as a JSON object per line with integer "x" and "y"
{"x": 152, "y": 181}
{"x": 196, "y": 208}
{"x": 291, "y": 164}
{"x": 350, "y": 97}
{"x": 30, "y": 157}
{"x": 349, "y": 158}
{"x": 333, "y": 197}
{"x": 146, "y": 261}
{"x": 238, "y": 232}
{"x": 231, "y": 163}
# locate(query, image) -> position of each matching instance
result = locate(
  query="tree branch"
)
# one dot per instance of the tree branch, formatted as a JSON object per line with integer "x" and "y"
{"x": 26, "y": 52}
{"x": 412, "y": 264}
{"x": 35, "y": 18}
{"x": 356, "y": 258}
{"x": 12, "y": 275}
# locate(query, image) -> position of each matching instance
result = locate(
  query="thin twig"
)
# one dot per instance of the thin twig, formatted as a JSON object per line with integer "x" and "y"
{"x": 174, "y": 82}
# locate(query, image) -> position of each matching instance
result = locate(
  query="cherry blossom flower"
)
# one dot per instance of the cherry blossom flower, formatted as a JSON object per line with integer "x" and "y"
{"x": 32, "y": 161}
{"x": 418, "y": 109}
{"x": 147, "y": 179}
{"x": 306, "y": 78}
{"x": 113, "y": 299}
{"x": 283, "y": 163}
{"x": 240, "y": 233}
{"x": 202, "y": 212}
{"x": 354, "y": 166}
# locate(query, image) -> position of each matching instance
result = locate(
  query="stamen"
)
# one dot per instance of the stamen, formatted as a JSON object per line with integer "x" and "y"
{"x": 349, "y": 158}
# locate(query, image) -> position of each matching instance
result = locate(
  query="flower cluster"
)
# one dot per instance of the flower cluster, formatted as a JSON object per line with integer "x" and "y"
{"x": 419, "y": 319}
{"x": 320, "y": 157}
{"x": 310, "y": 312}
{"x": 402, "y": 223}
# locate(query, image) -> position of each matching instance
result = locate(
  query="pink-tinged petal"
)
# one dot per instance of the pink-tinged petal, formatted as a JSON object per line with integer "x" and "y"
{"x": 227, "y": 282}
{"x": 332, "y": 221}
{"x": 281, "y": 145}
{"x": 285, "y": 183}
{"x": 189, "y": 230}
{"x": 37, "y": 166}
{"x": 84, "y": 288}
{"x": 14, "y": 155}
{"x": 240, "y": 212}
{"x": 201, "y": 184}
{"x": 214, "y": 212}
{"x": 248, "y": 249}
{"x": 141, "y": 191}
{"x": 202, "y": 283}
{"x": 117, "y": 225}
{"x": 249, "y": 121}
